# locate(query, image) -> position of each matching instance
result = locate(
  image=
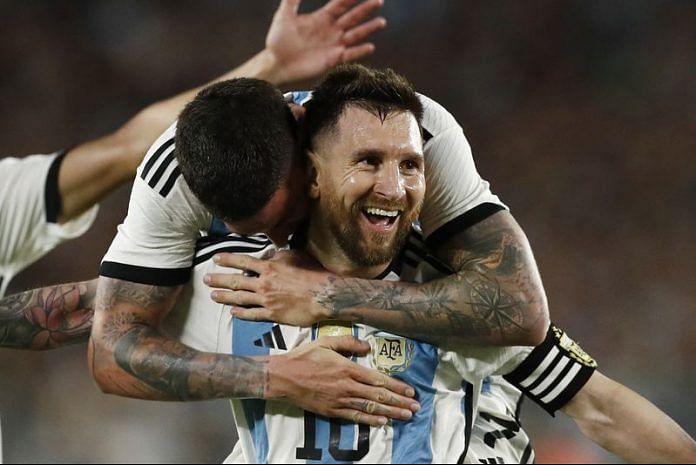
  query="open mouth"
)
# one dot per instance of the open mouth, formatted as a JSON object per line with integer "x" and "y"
{"x": 381, "y": 218}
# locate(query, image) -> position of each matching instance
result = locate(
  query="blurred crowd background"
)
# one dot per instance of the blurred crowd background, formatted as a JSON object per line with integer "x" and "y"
{"x": 581, "y": 114}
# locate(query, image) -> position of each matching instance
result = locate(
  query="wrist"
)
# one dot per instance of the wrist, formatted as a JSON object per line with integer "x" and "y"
{"x": 276, "y": 385}
{"x": 269, "y": 68}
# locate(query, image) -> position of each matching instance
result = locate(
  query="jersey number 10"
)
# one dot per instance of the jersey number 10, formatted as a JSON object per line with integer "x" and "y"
{"x": 310, "y": 451}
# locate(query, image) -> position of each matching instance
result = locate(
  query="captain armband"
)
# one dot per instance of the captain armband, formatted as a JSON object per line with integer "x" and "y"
{"x": 554, "y": 371}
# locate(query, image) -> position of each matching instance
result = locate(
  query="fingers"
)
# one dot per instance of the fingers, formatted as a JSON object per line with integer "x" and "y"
{"x": 237, "y": 298}
{"x": 345, "y": 344}
{"x": 231, "y": 281}
{"x": 359, "y": 33}
{"x": 356, "y": 53}
{"x": 240, "y": 262}
{"x": 337, "y": 7}
{"x": 358, "y": 14}
{"x": 356, "y": 416}
{"x": 252, "y": 314}
{"x": 375, "y": 378}
{"x": 244, "y": 299}
{"x": 379, "y": 401}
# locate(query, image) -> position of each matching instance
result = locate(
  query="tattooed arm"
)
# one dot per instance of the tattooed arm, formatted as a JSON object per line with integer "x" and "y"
{"x": 130, "y": 357}
{"x": 494, "y": 297}
{"x": 48, "y": 317}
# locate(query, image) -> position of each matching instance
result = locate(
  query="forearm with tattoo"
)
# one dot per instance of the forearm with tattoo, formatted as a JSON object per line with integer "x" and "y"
{"x": 48, "y": 317}
{"x": 495, "y": 297}
{"x": 131, "y": 358}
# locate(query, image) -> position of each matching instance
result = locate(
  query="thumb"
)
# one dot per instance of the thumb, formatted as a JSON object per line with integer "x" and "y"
{"x": 345, "y": 345}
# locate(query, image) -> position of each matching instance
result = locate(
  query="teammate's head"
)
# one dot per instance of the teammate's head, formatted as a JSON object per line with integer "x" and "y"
{"x": 362, "y": 130}
{"x": 236, "y": 144}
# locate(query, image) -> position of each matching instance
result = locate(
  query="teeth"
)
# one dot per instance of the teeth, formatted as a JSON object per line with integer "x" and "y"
{"x": 380, "y": 212}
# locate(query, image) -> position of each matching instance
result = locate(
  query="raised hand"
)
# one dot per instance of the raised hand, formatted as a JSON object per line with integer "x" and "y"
{"x": 304, "y": 46}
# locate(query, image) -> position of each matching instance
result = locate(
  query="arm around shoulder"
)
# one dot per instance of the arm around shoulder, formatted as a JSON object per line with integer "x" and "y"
{"x": 497, "y": 288}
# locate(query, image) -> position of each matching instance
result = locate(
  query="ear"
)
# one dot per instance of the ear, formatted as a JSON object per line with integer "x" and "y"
{"x": 314, "y": 170}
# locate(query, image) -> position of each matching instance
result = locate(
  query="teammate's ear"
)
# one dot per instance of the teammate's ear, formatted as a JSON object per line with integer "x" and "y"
{"x": 314, "y": 168}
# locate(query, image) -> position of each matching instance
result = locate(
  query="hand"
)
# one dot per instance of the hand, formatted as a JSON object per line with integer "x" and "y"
{"x": 287, "y": 290}
{"x": 316, "y": 378}
{"x": 305, "y": 46}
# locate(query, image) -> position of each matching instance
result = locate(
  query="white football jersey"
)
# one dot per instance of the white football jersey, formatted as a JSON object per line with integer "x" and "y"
{"x": 450, "y": 386}
{"x": 29, "y": 203}
{"x": 155, "y": 244}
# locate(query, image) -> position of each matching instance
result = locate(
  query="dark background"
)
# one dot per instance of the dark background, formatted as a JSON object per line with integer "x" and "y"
{"x": 580, "y": 114}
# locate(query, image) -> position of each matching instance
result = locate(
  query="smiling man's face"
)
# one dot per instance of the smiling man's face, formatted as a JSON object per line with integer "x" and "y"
{"x": 369, "y": 183}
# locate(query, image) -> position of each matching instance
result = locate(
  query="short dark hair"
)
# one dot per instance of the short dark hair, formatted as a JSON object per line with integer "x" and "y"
{"x": 234, "y": 145}
{"x": 381, "y": 91}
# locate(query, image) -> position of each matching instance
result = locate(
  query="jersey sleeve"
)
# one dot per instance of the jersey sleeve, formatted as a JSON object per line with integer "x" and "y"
{"x": 29, "y": 208}
{"x": 456, "y": 195}
{"x": 155, "y": 243}
{"x": 554, "y": 371}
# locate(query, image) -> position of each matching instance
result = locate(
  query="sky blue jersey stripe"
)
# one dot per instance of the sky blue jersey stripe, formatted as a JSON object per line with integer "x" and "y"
{"x": 412, "y": 438}
{"x": 300, "y": 97}
{"x": 324, "y": 426}
{"x": 244, "y": 333}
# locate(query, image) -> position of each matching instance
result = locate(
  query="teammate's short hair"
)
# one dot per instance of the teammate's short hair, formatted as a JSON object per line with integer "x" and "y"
{"x": 234, "y": 144}
{"x": 380, "y": 91}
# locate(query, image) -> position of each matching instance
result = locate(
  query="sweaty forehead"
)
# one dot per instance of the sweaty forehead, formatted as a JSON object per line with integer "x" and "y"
{"x": 358, "y": 127}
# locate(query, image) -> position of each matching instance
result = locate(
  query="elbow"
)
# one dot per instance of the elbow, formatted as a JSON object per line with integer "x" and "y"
{"x": 101, "y": 370}
{"x": 536, "y": 321}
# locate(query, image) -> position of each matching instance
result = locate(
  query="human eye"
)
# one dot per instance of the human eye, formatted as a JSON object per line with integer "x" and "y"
{"x": 411, "y": 165}
{"x": 369, "y": 160}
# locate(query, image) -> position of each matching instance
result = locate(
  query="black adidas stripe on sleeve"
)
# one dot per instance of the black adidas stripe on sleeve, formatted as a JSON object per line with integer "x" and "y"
{"x": 144, "y": 275}
{"x": 461, "y": 223}
{"x": 161, "y": 162}
{"x": 554, "y": 371}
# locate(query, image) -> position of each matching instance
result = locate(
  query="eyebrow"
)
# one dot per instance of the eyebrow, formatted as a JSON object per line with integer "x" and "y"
{"x": 378, "y": 153}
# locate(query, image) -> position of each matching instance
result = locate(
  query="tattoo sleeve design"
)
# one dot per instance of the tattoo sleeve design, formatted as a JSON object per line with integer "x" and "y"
{"x": 47, "y": 318}
{"x": 134, "y": 359}
{"x": 494, "y": 297}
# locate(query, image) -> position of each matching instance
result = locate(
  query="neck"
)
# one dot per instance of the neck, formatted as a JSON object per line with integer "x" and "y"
{"x": 322, "y": 245}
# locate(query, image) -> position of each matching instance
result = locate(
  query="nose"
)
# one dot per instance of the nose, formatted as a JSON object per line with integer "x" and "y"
{"x": 390, "y": 182}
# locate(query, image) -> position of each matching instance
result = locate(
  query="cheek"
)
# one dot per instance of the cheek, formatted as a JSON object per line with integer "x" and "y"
{"x": 416, "y": 187}
{"x": 356, "y": 185}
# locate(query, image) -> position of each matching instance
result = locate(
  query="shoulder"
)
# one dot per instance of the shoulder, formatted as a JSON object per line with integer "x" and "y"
{"x": 436, "y": 119}
{"x": 159, "y": 169}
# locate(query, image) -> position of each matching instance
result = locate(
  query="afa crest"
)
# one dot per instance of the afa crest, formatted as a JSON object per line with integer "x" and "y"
{"x": 391, "y": 354}
{"x": 573, "y": 348}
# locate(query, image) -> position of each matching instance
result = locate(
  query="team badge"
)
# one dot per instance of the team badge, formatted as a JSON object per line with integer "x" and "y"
{"x": 573, "y": 348}
{"x": 334, "y": 328}
{"x": 391, "y": 354}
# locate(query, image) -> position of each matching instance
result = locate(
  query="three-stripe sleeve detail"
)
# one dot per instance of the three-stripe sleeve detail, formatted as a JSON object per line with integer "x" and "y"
{"x": 554, "y": 371}
{"x": 161, "y": 169}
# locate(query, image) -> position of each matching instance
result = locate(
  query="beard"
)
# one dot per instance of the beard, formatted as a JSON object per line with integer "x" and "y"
{"x": 365, "y": 248}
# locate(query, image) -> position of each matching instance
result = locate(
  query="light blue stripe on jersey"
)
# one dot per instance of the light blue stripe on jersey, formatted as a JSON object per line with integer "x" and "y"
{"x": 323, "y": 439}
{"x": 323, "y": 424}
{"x": 218, "y": 228}
{"x": 486, "y": 385}
{"x": 300, "y": 97}
{"x": 412, "y": 438}
{"x": 244, "y": 333}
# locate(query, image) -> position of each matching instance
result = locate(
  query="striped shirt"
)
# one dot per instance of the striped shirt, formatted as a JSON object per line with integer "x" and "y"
{"x": 453, "y": 388}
